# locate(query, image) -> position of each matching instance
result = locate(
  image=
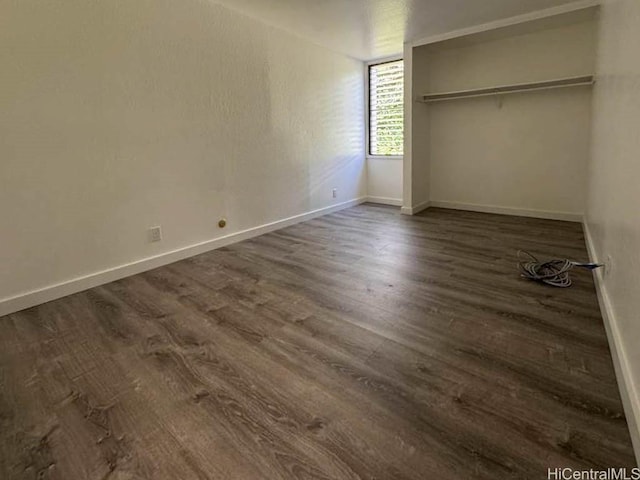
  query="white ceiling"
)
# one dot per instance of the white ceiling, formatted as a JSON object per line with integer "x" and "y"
{"x": 371, "y": 29}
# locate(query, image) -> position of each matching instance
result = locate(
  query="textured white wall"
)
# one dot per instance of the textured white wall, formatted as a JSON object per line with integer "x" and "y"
{"x": 118, "y": 115}
{"x": 613, "y": 208}
{"x": 420, "y": 129}
{"x": 530, "y": 153}
{"x": 384, "y": 178}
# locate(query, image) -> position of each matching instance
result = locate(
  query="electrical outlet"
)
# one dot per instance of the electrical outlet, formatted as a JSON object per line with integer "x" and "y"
{"x": 155, "y": 234}
{"x": 335, "y": 193}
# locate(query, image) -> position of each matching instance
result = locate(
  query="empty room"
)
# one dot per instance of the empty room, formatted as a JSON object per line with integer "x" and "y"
{"x": 319, "y": 239}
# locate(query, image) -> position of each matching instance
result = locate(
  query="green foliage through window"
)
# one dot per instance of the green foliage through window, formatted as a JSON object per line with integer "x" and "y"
{"x": 386, "y": 108}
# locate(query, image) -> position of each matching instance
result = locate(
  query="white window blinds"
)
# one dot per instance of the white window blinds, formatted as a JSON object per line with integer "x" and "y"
{"x": 386, "y": 108}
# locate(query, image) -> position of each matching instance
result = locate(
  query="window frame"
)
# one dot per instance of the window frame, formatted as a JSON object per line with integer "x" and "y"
{"x": 367, "y": 119}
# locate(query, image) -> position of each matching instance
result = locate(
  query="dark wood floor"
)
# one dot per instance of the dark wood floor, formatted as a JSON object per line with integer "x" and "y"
{"x": 363, "y": 344}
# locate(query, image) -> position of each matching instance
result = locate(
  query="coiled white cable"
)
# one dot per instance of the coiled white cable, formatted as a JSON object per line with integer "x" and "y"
{"x": 552, "y": 272}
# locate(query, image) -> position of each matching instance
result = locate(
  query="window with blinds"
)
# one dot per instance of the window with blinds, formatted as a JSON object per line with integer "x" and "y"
{"x": 386, "y": 108}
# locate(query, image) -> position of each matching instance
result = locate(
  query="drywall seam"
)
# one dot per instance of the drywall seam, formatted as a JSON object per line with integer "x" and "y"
{"x": 59, "y": 290}
{"x": 520, "y": 212}
{"x": 628, "y": 393}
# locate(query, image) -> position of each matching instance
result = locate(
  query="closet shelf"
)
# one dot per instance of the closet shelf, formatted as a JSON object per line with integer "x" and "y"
{"x": 506, "y": 89}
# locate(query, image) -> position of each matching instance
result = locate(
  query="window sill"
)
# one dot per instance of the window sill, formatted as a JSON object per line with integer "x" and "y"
{"x": 385, "y": 157}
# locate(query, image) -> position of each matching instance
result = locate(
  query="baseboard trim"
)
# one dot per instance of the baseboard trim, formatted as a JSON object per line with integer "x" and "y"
{"x": 395, "y": 202}
{"x": 36, "y": 297}
{"x": 628, "y": 392}
{"x": 519, "y": 212}
{"x": 416, "y": 209}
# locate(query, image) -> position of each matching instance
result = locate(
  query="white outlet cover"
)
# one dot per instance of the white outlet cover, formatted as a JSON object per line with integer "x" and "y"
{"x": 155, "y": 234}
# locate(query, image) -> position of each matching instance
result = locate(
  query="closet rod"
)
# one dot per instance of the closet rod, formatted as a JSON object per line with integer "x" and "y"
{"x": 506, "y": 89}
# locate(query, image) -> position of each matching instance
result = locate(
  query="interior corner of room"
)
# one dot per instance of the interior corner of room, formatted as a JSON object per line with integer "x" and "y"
{"x": 135, "y": 134}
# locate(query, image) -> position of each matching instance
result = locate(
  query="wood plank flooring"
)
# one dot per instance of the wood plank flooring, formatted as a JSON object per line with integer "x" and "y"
{"x": 360, "y": 345}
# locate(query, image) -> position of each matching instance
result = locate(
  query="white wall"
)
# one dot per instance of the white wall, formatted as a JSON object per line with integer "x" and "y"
{"x": 119, "y": 115}
{"x": 420, "y": 130}
{"x": 527, "y": 155}
{"x": 613, "y": 208}
{"x": 384, "y": 180}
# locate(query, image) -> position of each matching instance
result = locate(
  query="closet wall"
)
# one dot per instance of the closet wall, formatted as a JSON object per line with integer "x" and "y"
{"x": 524, "y": 153}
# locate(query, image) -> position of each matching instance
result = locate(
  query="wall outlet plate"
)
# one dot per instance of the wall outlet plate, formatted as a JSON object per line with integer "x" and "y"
{"x": 155, "y": 234}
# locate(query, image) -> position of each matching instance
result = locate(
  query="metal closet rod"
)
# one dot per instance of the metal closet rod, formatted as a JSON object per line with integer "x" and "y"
{"x": 506, "y": 89}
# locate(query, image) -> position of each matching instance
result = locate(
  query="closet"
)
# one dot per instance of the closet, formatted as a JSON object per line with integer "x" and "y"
{"x": 499, "y": 120}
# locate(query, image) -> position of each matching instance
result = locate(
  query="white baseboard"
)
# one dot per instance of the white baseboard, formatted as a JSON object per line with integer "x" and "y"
{"x": 519, "y": 212}
{"x": 416, "y": 209}
{"x": 628, "y": 392}
{"x": 59, "y": 290}
{"x": 396, "y": 202}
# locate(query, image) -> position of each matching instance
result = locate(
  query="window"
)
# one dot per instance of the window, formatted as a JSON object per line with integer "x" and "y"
{"x": 386, "y": 108}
